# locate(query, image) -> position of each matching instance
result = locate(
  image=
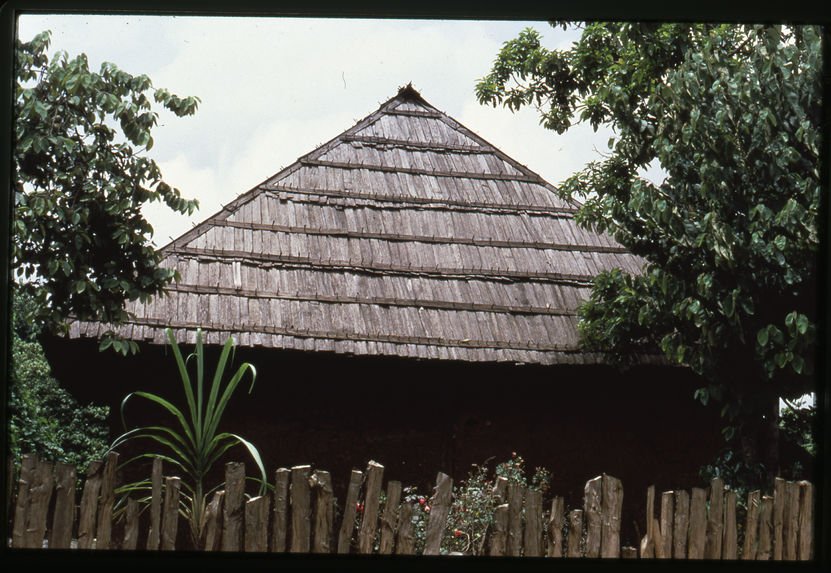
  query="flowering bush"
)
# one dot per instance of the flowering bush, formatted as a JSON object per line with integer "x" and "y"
{"x": 472, "y": 506}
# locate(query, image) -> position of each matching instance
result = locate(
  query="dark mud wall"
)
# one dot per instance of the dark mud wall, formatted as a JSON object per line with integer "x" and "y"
{"x": 418, "y": 417}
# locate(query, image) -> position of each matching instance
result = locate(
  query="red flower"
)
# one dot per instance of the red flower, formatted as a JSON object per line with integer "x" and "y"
{"x": 421, "y": 500}
{"x": 457, "y": 533}
{"x": 359, "y": 507}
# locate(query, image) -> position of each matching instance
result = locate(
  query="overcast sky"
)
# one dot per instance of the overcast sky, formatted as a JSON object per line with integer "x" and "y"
{"x": 273, "y": 89}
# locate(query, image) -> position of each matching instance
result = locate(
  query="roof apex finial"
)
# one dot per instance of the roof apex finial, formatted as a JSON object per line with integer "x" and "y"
{"x": 409, "y": 92}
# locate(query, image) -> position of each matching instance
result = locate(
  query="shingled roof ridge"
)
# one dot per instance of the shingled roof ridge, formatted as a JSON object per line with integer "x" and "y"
{"x": 404, "y": 93}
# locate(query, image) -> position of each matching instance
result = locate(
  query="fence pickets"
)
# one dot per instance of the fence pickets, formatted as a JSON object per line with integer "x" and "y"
{"x": 299, "y": 516}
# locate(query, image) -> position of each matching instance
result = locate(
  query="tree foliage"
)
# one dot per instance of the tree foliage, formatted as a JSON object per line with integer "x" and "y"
{"x": 732, "y": 114}
{"x": 81, "y": 246}
{"x": 43, "y": 418}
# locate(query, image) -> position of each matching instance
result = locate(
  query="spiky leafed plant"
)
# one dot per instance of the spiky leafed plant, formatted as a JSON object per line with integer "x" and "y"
{"x": 195, "y": 444}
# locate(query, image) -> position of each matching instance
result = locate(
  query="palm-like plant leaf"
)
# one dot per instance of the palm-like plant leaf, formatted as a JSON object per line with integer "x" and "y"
{"x": 197, "y": 447}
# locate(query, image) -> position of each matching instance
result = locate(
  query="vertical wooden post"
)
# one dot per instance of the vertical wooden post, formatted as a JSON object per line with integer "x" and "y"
{"x": 89, "y": 503}
{"x": 406, "y": 543}
{"x": 778, "y": 516}
{"x": 390, "y": 517}
{"x": 730, "y": 540}
{"x": 28, "y": 464}
{"x": 213, "y": 529}
{"x": 105, "y": 506}
{"x": 533, "y": 523}
{"x": 659, "y": 541}
{"x": 499, "y": 536}
{"x": 514, "y": 520}
{"x": 698, "y": 523}
{"x": 324, "y": 512}
{"x": 681, "y": 525}
{"x": 500, "y": 490}
{"x": 575, "y": 532}
{"x": 647, "y": 549}
{"x": 369, "y": 522}
{"x": 155, "y": 506}
{"x": 765, "y": 518}
{"x": 301, "y": 510}
{"x": 751, "y": 527}
{"x": 667, "y": 513}
{"x": 347, "y": 526}
{"x": 256, "y": 524}
{"x": 281, "y": 509}
{"x": 790, "y": 528}
{"x": 233, "y": 510}
{"x": 806, "y": 521}
{"x": 439, "y": 508}
{"x": 130, "y": 540}
{"x": 40, "y": 496}
{"x": 64, "y": 515}
{"x": 592, "y": 495}
{"x": 170, "y": 513}
{"x": 555, "y": 528}
{"x": 715, "y": 520}
{"x": 611, "y": 508}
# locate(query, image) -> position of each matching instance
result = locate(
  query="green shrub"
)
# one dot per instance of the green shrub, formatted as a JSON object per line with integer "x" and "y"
{"x": 44, "y": 418}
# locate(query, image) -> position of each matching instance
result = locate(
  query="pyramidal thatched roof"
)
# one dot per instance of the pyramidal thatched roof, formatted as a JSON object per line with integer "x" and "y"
{"x": 406, "y": 235}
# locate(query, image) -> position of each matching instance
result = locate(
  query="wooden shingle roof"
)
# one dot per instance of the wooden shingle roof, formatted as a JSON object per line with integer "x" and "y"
{"x": 405, "y": 235}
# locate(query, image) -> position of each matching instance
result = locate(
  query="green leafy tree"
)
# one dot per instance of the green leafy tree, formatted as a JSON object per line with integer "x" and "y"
{"x": 81, "y": 247}
{"x": 732, "y": 114}
{"x": 43, "y": 418}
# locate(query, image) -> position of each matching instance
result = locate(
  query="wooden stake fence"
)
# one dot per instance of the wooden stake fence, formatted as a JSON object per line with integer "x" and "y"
{"x": 299, "y": 516}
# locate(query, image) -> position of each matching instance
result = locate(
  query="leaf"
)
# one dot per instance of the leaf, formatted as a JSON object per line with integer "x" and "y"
{"x": 762, "y": 337}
